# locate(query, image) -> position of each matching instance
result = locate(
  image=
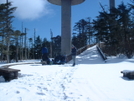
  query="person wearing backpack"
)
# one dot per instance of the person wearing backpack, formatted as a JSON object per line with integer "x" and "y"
{"x": 73, "y": 53}
{"x": 45, "y": 57}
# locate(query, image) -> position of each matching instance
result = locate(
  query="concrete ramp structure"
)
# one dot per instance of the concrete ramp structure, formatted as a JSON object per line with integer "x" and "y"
{"x": 66, "y": 23}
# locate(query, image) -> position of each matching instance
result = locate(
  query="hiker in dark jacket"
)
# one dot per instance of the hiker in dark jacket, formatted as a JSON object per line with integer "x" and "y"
{"x": 45, "y": 55}
{"x": 73, "y": 53}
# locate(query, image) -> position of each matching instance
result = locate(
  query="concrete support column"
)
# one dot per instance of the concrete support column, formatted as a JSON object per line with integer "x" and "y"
{"x": 66, "y": 27}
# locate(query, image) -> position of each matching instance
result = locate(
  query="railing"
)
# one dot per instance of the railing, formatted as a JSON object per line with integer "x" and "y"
{"x": 80, "y": 50}
{"x": 101, "y": 53}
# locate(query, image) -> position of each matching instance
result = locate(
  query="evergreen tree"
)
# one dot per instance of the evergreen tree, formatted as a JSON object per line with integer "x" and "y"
{"x": 38, "y": 47}
{"x": 30, "y": 56}
{"x": 6, "y": 30}
{"x": 114, "y": 30}
{"x": 17, "y": 34}
{"x": 56, "y": 45}
{"x": 81, "y": 29}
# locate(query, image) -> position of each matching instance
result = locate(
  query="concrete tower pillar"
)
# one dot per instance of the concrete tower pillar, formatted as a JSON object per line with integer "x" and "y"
{"x": 66, "y": 23}
{"x": 66, "y": 26}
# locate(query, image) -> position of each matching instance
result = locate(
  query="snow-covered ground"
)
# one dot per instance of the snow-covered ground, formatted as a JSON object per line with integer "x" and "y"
{"x": 90, "y": 80}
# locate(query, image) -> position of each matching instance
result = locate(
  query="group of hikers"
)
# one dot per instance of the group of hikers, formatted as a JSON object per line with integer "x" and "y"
{"x": 59, "y": 59}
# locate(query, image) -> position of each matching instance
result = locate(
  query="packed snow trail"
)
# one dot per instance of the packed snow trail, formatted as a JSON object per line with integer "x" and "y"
{"x": 57, "y": 82}
{"x": 49, "y": 86}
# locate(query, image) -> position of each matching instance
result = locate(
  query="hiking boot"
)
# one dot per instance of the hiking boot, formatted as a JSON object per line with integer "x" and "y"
{"x": 73, "y": 64}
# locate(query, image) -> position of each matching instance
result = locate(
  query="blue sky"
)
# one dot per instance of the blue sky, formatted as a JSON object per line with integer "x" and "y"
{"x": 43, "y": 16}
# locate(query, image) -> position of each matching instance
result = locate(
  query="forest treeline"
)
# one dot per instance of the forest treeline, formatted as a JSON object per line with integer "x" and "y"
{"x": 114, "y": 28}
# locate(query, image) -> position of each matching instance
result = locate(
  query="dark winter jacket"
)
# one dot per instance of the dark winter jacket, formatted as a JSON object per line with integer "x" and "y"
{"x": 74, "y": 51}
{"x": 44, "y": 50}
